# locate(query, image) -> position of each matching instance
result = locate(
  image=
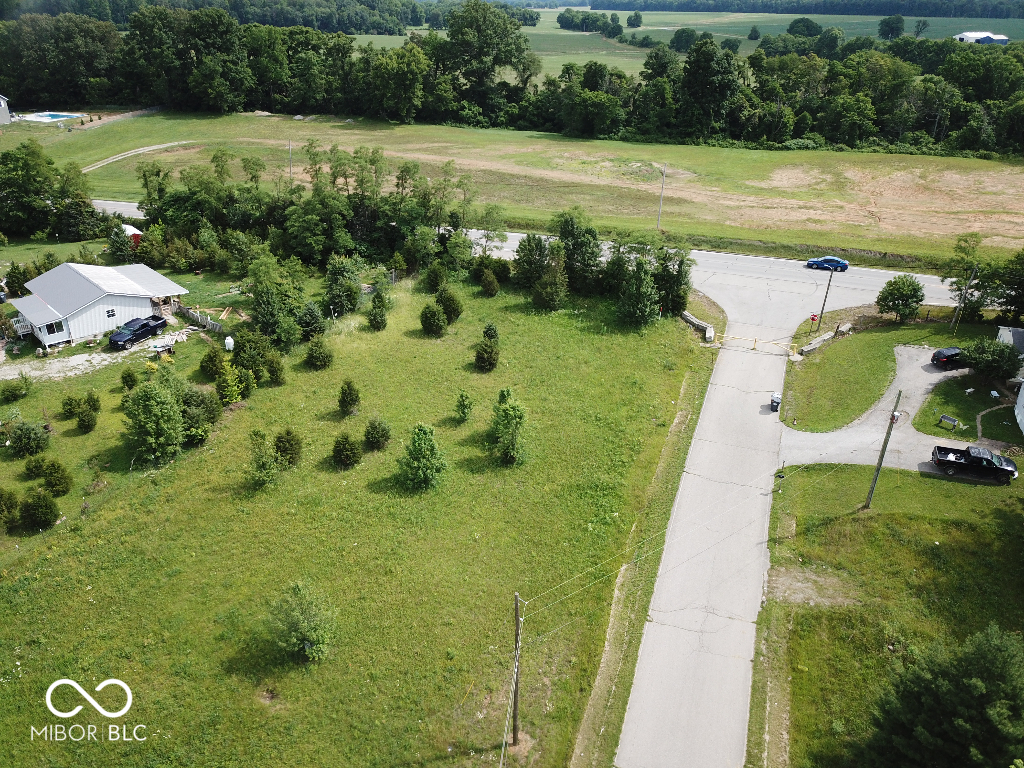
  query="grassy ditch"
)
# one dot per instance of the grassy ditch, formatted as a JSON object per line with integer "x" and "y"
{"x": 834, "y": 385}
{"x": 856, "y": 595}
{"x": 164, "y": 579}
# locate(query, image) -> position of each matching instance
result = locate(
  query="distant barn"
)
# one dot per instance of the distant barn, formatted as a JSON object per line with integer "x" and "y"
{"x": 982, "y": 38}
{"x": 5, "y": 112}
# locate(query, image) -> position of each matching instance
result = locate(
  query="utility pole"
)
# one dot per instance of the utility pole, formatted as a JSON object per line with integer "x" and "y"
{"x": 963, "y": 299}
{"x": 515, "y": 679}
{"x": 661, "y": 202}
{"x": 885, "y": 444}
{"x": 821, "y": 314}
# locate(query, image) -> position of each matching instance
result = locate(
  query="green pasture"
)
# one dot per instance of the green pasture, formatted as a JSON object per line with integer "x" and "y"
{"x": 834, "y": 385}
{"x": 933, "y": 559}
{"x": 758, "y": 201}
{"x": 163, "y": 577}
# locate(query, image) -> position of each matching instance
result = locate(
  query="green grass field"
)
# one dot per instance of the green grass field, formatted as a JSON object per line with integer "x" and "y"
{"x": 853, "y": 596}
{"x": 951, "y": 398}
{"x": 165, "y": 577}
{"x": 752, "y": 201}
{"x": 833, "y": 386}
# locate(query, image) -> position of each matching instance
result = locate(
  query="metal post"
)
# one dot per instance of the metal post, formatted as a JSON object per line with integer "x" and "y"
{"x": 821, "y": 314}
{"x": 885, "y": 444}
{"x": 289, "y": 161}
{"x": 661, "y": 202}
{"x": 515, "y": 680}
{"x": 963, "y": 300}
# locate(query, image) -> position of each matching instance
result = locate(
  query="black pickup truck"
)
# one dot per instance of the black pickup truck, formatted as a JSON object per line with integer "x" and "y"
{"x": 979, "y": 461}
{"x": 139, "y": 329}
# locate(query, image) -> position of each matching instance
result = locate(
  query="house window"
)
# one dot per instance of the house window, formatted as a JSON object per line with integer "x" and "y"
{"x": 54, "y": 328}
{"x": 110, "y": 313}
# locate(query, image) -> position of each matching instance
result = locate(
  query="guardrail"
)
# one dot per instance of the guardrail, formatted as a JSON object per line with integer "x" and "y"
{"x": 700, "y": 325}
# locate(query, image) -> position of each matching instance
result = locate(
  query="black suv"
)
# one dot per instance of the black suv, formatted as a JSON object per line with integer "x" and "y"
{"x": 134, "y": 331}
{"x": 948, "y": 358}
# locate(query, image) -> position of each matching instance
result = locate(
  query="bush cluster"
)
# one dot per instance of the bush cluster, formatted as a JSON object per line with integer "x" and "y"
{"x": 28, "y": 439}
{"x": 15, "y": 389}
{"x": 10, "y": 513}
{"x": 450, "y": 303}
{"x": 39, "y": 509}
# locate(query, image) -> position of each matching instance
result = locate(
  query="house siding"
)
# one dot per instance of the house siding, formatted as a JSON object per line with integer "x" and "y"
{"x": 93, "y": 321}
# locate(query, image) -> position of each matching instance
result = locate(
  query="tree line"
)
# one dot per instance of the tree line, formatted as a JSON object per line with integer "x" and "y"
{"x": 797, "y": 91}
{"x": 987, "y": 9}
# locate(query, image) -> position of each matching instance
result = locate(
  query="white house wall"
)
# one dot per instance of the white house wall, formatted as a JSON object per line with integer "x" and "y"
{"x": 93, "y": 321}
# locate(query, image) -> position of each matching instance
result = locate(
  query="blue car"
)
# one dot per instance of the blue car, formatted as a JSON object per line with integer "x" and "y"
{"x": 828, "y": 262}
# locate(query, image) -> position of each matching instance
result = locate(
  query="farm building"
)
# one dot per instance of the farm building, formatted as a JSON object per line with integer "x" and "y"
{"x": 982, "y": 38}
{"x": 80, "y": 301}
{"x": 5, "y": 112}
{"x": 135, "y": 235}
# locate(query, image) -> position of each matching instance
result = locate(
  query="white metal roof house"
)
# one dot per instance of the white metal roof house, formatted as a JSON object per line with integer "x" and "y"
{"x": 983, "y": 38}
{"x": 80, "y": 301}
{"x": 5, "y": 112}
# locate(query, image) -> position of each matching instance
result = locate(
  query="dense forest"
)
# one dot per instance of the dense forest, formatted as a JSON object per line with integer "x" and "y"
{"x": 795, "y": 92}
{"x": 379, "y": 17}
{"x": 986, "y": 9}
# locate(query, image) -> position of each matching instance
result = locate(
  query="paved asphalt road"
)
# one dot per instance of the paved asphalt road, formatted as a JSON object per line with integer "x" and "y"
{"x": 690, "y": 698}
{"x": 131, "y": 210}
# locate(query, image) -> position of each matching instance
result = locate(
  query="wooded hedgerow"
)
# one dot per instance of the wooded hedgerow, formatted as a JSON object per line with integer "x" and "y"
{"x": 795, "y": 92}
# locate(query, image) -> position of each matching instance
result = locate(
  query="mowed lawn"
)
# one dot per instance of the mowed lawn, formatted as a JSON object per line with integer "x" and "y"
{"x": 165, "y": 579}
{"x": 758, "y": 199}
{"x": 833, "y": 386}
{"x": 854, "y": 596}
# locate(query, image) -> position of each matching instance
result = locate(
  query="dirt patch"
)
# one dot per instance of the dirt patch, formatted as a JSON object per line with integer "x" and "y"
{"x": 793, "y": 177}
{"x": 808, "y": 586}
{"x": 521, "y": 751}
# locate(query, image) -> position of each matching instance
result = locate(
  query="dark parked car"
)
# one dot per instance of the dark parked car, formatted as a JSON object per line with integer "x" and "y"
{"x": 948, "y": 358}
{"x": 134, "y": 331}
{"x": 828, "y": 262}
{"x": 976, "y": 460}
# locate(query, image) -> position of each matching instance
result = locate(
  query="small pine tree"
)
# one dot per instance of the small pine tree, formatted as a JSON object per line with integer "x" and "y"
{"x": 638, "y": 304}
{"x": 311, "y": 320}
{"x": 288, "y": 446}
{"x": 377, "y": 317}
{"x": 378, "y": 434}
{"x": 10, "y": 515}
{"x": 56, "y": 478}
{"x": 264, "y": 462}
{"x": 464, "y": 406}
{"x": 92, "y": 401}
{"x": 28, "y": 439}
{"x": 275, "y": 368}
{"x": 491, "y": 331}
{"x": 348, "y": 398}
{"x": 435, "y": 276}
{"x": 246, "y": 383}
{"x": 507, "y": 427}
{"x": 70, "y": 406}
{"x": 34, "y": 467}
{"x": 212, "y": 364}
{"x": 422, "y": 465}
{"x": 87, "y": 420}
{"x": 450, "y": 303}
{"x": 318, "y": 355}
{"x": 129, "y": 379}
{"x": 487, "y": 353}
{"x": 227, "y": 385}
{"x": 347, "y": 452}
{"x": 39, "y": 509}
{"x": 433, "y": 320}
{"x": 552, "y": 290}
{"x": 119, "y": 245}
{"x": 489, "y": 284}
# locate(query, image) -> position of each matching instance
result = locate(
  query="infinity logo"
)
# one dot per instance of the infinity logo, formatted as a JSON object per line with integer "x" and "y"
{"x": 87, "y": 697}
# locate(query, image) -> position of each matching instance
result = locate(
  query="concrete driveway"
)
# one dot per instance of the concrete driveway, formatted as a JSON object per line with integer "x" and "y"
{"x": 690, "y": 698}
{"x": 860, "y": 442}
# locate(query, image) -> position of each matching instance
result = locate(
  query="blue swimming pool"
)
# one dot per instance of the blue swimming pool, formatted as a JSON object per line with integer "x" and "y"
{"x": 52, "y": 117}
